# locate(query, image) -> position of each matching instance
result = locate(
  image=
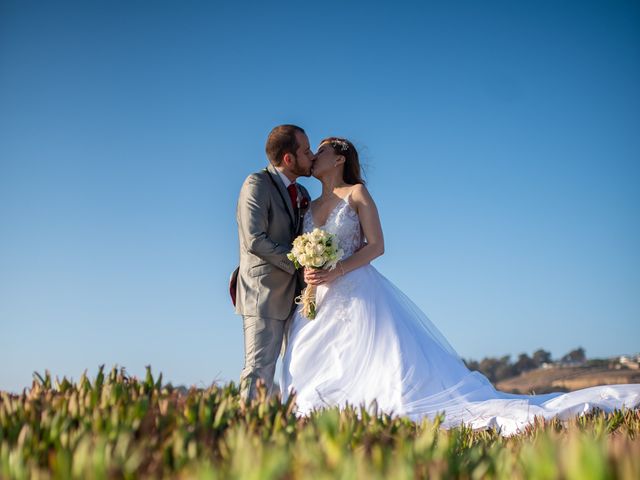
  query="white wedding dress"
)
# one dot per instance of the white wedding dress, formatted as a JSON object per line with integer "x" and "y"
{"x": 369, "y": 343}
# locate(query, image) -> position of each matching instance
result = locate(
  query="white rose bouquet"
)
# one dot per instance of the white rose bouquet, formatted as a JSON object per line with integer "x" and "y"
{"x": 316, "y": 249}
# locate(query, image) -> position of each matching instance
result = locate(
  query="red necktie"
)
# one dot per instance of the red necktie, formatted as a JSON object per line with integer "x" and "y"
{"x": 293, "y": 194}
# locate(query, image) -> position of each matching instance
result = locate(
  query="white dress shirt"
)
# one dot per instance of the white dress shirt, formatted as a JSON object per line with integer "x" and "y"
{"x": 284, "y": 178}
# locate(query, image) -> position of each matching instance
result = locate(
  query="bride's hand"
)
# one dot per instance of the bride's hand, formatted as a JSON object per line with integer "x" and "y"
{"x": 314, "y": 276}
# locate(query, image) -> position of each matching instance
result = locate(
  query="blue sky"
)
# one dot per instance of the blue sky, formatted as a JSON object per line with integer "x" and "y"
{"x": 501, "y": 141}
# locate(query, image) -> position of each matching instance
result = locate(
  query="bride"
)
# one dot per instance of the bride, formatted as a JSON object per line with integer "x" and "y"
{"x": 369, "y": 344}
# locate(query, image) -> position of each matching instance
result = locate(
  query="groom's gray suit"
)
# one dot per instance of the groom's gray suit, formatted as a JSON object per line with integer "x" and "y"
{"x": 267, "y": 280}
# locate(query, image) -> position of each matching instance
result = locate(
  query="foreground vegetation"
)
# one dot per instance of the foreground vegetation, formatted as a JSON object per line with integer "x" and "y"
{"x": 116, "y": 426}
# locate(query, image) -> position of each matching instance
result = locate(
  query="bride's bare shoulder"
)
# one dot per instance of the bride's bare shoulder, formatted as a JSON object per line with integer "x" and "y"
{"x": 360, "y": 194}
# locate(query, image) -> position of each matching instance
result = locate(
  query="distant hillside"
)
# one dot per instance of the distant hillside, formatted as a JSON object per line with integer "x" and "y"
{"x": 540, "y": 373}
{"x": 563, "y": 379}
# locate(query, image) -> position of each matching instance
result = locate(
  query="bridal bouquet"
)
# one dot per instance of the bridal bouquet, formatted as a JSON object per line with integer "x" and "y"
{"x": 316, "y": 249}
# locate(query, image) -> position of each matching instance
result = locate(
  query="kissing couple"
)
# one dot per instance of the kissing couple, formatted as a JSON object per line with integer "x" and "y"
{"x": 369, "y": 344}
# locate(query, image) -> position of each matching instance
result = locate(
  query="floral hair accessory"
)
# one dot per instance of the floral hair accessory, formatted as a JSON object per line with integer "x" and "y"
{"x": 341, "y": 144}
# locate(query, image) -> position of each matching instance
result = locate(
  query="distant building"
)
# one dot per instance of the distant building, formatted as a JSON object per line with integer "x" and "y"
{"x": 630, "y": 361}
{"x": 570, "y": 363}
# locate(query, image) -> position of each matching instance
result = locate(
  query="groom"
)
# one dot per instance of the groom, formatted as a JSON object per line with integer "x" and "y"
{"x": 270, "y": 209}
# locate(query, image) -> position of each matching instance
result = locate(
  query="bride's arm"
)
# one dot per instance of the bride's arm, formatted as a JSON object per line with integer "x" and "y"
{"x": 366, "y": 208}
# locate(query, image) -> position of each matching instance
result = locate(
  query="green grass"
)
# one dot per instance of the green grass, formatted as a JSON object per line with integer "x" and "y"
{"x": 116, "y": 426}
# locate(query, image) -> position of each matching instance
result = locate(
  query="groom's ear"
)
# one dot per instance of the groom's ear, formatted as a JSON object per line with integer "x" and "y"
{"x": 287, "y": 159}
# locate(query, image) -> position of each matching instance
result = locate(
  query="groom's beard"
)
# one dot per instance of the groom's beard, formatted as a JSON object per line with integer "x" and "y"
{"x": 299, "y": 170}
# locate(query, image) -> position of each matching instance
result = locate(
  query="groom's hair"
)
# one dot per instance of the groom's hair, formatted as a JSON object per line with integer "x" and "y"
{"x": 282, "y": 139}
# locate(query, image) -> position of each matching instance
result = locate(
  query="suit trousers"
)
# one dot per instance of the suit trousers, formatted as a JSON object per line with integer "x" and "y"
{"x": 263, "y": 340}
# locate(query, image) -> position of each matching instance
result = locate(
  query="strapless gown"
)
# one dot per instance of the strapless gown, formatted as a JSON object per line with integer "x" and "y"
{"x": 371, "y": 345}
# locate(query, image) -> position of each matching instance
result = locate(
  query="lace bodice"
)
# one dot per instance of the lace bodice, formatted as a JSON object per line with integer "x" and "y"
{"x": 343, "y": 222}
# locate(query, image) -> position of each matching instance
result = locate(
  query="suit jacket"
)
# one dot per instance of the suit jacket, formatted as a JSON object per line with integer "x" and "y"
{"x": 267, "y": 281}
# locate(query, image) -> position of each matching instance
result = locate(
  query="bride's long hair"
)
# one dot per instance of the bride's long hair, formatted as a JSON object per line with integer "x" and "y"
{"x": 352, "y": 173}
